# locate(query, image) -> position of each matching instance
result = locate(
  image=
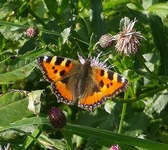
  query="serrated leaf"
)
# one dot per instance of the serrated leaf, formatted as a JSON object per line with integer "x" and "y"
{"x": 11, "y": 33}
{"x": 160, "y": 101}
{"x": 13, "y": 107}
{"x": 17, "y": 70}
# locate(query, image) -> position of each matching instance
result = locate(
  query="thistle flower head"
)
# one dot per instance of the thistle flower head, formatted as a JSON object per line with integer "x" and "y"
{"x": 57, "y": 117}
{"x": 32, "y": 32}
{"x": 115, "y": 147}
{"x": 128, "y": 40}
{"x": 94, "y": 61}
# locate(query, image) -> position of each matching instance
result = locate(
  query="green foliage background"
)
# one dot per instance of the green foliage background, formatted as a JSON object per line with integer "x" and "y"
{"x": 137, "y": 122}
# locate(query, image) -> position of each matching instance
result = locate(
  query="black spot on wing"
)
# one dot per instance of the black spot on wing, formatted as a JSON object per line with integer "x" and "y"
{"x": 119, "y": 78}
{"x": 55, "y": 71}
{"x": 101, "y": 83}
{"x": 62, "y": 72}
{"x": 110, "y": 75}
{"x": 59, "y": 60}
{"x": 67, "y": 63}
{"x": 102, "y": 73}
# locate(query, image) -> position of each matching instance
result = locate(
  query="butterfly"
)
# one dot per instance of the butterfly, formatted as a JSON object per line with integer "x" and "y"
{"x": 87, "y": 80}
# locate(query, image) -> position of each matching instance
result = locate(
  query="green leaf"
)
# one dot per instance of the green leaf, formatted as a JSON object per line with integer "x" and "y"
{"x": 97, "y": 23}
{"x": 136, "y": 124}
{"x": 109, "y": 137}
{"x": 30, "y": 140}
{"x": 52, "y": 6}
{"x": 160, "y": 101}
{"x": 95, "y": 118}
{"x": 161, "y": 9}
{"x": 117, "y": 3}
{"x": 11, "y": 33}
{"x": 13, "y": 107}
{"x": 157, "y": 28}
{"x": 26, "y": 122}
{"x": 16, "y": 70}
{"x": 52, "y": 142}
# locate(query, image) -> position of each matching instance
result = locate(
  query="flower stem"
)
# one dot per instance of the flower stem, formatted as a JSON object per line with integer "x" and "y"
{"x": 123, "y": 113}
{"x": 122, "y": 117}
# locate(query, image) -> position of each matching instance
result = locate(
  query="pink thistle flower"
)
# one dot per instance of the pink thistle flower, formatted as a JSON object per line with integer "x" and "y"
{"x": 115, "y": 147}
{"x": 32, "y": 32}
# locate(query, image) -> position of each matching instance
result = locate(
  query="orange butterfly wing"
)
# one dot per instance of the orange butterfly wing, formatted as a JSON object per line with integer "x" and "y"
{"x": 107, "y": 84}
{"x": 56, "y": 71}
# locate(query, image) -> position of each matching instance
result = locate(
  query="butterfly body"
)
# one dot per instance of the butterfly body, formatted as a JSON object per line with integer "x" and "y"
{"x": 84, "y": 80}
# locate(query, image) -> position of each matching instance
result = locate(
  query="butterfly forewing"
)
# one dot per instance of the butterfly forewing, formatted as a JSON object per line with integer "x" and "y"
{"x": 54, "y": 68}
{"x": 57, "y": 70}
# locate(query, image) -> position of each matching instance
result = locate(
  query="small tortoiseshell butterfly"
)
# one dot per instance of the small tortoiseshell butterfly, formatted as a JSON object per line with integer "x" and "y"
{"x": 88, "y": 80}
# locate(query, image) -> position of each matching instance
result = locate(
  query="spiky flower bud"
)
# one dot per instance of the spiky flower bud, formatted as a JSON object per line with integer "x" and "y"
{"x": 32, "y": 32}
{"x": 57, "y": 118}
{"x": 106, "y": 40}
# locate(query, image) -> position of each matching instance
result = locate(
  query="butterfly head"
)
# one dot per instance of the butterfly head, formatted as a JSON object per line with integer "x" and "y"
{"x": 93, "y": 61}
